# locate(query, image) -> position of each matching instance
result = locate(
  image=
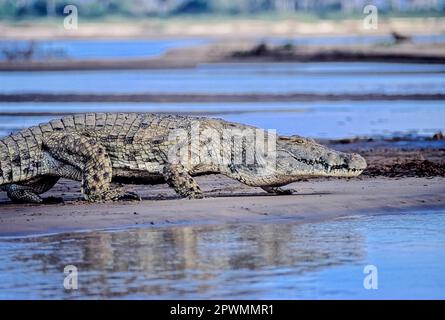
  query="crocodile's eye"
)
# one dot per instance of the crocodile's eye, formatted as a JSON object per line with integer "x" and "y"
{"x": 294, "y": 139}
{"x": 297, "y": 139}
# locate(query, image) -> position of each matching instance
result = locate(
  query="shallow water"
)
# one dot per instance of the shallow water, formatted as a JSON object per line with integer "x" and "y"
{"x": 101, "y": 49}
{"x": 315, "y": 119}
{"x": 315, "y": 78}
{"x": 247, "y": 261}
{"x": 128, "y": 49}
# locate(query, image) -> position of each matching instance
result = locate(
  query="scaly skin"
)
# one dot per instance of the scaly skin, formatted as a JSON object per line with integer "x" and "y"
{"x": 98, "y": 148}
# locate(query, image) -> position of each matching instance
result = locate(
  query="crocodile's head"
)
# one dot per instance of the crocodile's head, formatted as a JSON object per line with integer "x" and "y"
{"x": 302, "y": 157}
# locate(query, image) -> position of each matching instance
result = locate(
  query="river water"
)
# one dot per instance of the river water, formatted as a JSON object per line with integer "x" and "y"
{"x": 99, "y": 49}
{"x": 314, "y": 78}
{"x": 324, "y": 260}
{"x": 315, "y": 119}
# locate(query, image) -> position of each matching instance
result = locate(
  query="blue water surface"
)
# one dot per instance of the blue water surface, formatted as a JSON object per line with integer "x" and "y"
{"x": 100, "y": 49}
{"x": 275, "y": 260}
{"x": 315, "y": 119}
{"x": 260, "y": 78}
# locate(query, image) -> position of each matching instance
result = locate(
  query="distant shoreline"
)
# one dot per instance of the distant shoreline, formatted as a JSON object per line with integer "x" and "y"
{"x": 227, "y": 27}
{"x": 191, "y": 57}
{"x": 209, "y": 98}
{"x": 233, "y": 42}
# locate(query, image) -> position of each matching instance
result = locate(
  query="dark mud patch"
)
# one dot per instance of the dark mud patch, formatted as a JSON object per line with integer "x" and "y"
{"x": 416, "y": 168}
{"x": 397, "y": 156}
{"x": 290, "y": 52}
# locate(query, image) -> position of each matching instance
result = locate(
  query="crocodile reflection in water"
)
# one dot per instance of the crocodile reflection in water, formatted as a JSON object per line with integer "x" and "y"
{"x": 172, "y": 262}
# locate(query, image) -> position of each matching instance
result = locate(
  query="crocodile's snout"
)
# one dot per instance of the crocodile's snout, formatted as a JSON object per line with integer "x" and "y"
{"x": 356, "y": 162}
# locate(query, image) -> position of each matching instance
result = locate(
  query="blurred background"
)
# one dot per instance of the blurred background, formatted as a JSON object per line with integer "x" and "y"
{"x": 325, "y": 68}
{"x": 11, "y": 9}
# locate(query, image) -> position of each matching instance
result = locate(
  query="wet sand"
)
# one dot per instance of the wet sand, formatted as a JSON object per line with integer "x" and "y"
{"x": 400, "y": 178}
{"x": 225, "y": 202}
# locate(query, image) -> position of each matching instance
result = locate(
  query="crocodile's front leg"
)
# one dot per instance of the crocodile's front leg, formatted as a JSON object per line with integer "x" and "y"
{"x": 277, "y": 190}
{"x": 91, "y": 160}
{"x": 179, "y": 179}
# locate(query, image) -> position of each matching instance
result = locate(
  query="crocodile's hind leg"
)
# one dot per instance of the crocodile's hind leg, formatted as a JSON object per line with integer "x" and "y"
{"x": 21, "y": 194}
{"x": 179, "y": 179}
{"x": 28, "y": 192}
{"x": 91, "y": 162}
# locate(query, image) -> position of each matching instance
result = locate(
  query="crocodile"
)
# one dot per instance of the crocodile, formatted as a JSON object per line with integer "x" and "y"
{"x": 146, "y": 148}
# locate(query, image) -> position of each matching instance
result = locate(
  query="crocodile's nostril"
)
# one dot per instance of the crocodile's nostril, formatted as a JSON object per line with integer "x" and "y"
{"x": 332, "y": 158}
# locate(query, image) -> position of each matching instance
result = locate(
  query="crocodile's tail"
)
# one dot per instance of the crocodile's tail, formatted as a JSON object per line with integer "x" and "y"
{"x": 15, "y": 159}
{"x": 5, "y": 171}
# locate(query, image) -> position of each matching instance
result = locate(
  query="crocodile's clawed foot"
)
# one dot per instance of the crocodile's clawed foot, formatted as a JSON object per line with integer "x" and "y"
{"x": 195, "y": 195}
{"x": 114, "y": 195}
{"x": 127, "y": 196}
{"x": 19, "y": 195}
{"x": 284, "y": 192}
{"x": 192, "y": 191}
{"x": 279, "y": 191}
{"x": 184, "y": 184}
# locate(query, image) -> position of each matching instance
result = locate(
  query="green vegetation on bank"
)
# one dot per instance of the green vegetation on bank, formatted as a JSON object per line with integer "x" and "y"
{"x": 264, "y": 9}
{"x": 202, "y": 18}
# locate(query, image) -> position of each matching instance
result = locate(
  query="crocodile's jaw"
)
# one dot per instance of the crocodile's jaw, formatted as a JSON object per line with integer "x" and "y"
{"x": 300, "y": 157}
{"x": 299, "y": 170}
{"x": 353, "y": 166}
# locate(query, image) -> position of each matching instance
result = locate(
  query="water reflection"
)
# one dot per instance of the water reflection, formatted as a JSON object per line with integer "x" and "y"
{"x": 212, "y": 262}
{"x": 256, "y": 261}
